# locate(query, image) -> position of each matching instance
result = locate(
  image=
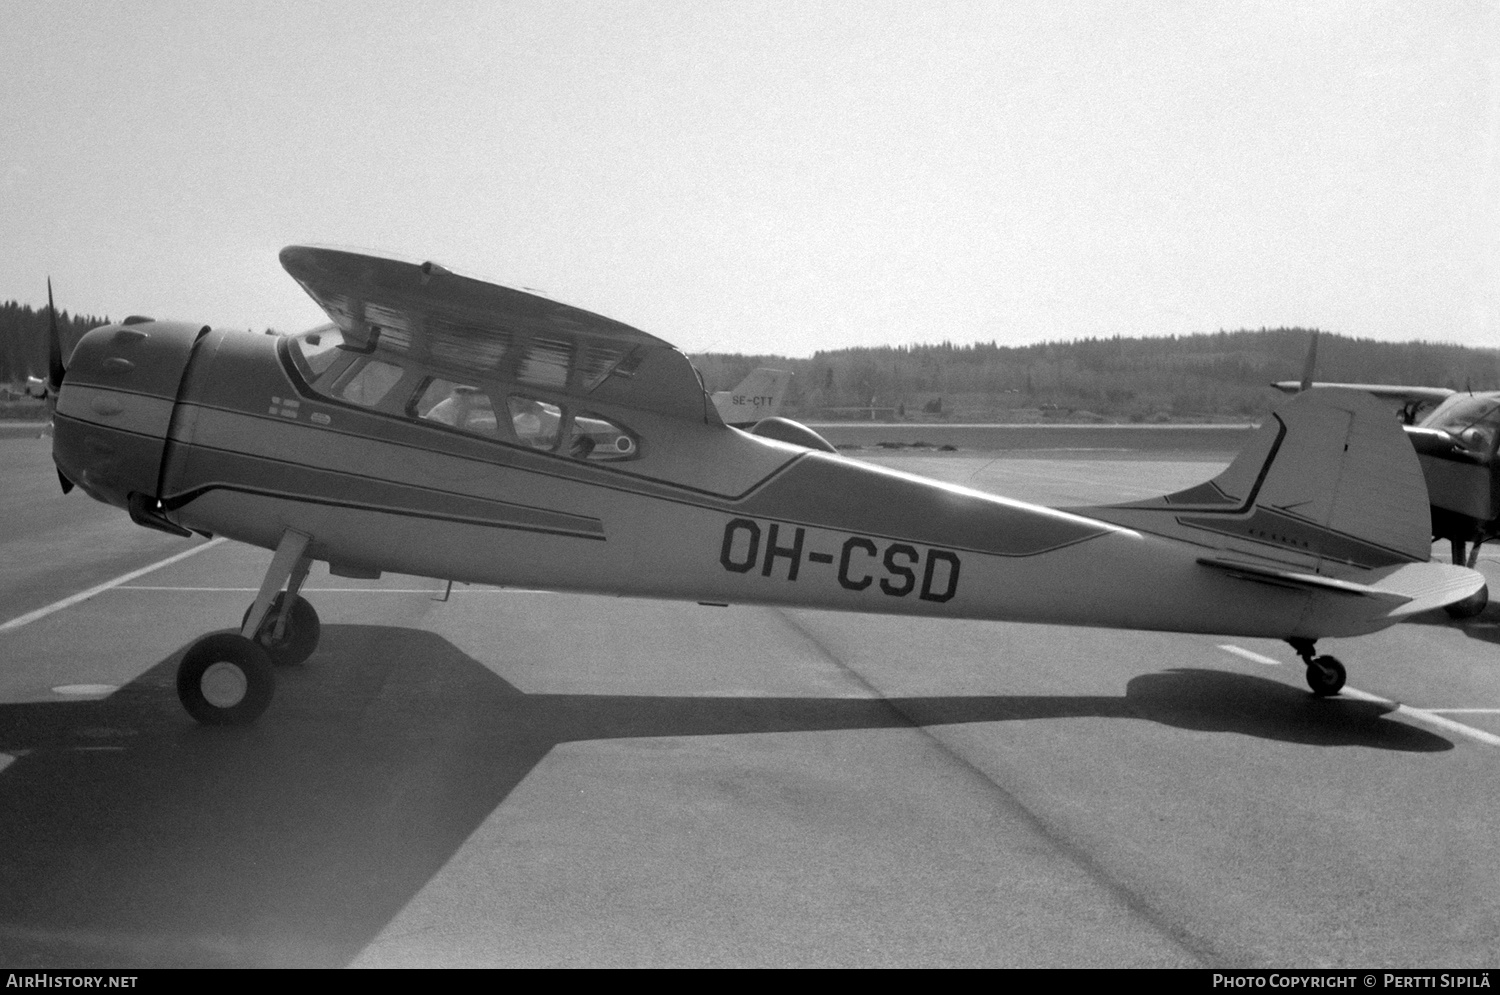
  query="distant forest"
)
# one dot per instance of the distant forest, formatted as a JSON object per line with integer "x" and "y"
{"x": 23, "y": 339}
{"x": 1216, "y": 376}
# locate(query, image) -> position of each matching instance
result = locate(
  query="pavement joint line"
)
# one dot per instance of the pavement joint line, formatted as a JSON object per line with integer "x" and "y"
{"x": 71, "y": 600}
{"x": 1248, "y": 655}
{"x": 1051, "y": 833}
{"x": 1467, "y": 711}
{"x": 1424, "y": 715}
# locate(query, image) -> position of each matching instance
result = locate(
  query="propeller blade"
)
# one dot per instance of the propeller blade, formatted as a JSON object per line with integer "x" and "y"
{"x": 1311, "y": 361}
{"x": 55, "y": 370}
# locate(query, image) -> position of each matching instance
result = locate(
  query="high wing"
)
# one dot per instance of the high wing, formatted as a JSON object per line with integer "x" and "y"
{"x": 1413, "y": 400}
{"x": 471, "y": 328}
{"x": 1386, "y": 392}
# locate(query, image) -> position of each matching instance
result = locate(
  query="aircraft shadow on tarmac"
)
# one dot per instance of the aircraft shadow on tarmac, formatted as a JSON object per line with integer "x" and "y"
{"x": 1484, "y": 627}
{"x": 133, "y": 836}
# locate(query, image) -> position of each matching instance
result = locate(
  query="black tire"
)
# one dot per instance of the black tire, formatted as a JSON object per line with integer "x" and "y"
{"x": 298, "y": 640}
{"x": 1326, "y": 676}
{"x": 1470, "y": 606}
{"x": 225, "y": 680}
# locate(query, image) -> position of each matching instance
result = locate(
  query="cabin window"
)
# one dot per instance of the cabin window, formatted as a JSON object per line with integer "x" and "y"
{"x": 592, "y": 437}
{"x": 1474, "y": 422}
{"x": 398, "y": 384}
{"x": 537, "y": 424}
{"x": 464, "y": 406}
{"x": 367, "y": 383}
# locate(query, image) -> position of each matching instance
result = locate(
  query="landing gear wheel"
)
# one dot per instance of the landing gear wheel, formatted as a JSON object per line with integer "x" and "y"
{"x": 225, "y": 680}
{"x": 298, "y": 639}
{"x": 1325, "y": 675}
{"x": 1470, "y": 606}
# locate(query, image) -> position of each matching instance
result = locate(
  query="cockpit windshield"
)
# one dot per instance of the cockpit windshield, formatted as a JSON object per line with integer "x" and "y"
{"x": 1473, "y": 421}
{"x": 317, "y": 349}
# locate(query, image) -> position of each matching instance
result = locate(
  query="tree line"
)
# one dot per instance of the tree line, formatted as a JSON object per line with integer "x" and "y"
{"x": 1212, "y": 375}
{"x": 23, "y": 338}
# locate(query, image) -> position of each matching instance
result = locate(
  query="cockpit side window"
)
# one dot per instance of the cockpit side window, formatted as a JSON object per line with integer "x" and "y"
{"x": 367, "y": 383}
{"x": 1473, "y": 422}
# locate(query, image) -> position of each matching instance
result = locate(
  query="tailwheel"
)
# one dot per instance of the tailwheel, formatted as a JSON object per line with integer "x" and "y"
{"x": 225, "y": 680}
{"x": 299, "y": 634}
{"x": 1326, "y": 676}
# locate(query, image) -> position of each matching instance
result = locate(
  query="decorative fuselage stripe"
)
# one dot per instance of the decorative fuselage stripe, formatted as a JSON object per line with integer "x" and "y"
{"x": 828, "y": 493}
{"x": 491, "y": 453}
{"x": 1209, "y": 498}
{"x": 808, "y": 489}
{"x": 217, "y": 469}
{"x": 1272, "y": 527}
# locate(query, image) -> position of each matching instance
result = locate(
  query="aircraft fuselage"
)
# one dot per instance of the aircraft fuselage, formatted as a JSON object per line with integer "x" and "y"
{"x": 218, "y": 433}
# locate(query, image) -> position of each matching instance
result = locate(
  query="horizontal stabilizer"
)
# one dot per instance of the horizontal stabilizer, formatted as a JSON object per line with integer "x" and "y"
{"x": 1404, "y": 590}
{"x": 1429, "y": 585}
{"x": 1295, "y": 578}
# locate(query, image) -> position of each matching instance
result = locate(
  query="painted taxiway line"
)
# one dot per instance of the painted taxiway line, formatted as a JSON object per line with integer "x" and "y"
{"x": 1425, "y": 715}
{"x": 68, "y": 602}
{"x": 347, "y": 590}
{"x": 1428, "y": 715}
{"x": 1240, "y": 651}
{"x": 1463, "y": 711}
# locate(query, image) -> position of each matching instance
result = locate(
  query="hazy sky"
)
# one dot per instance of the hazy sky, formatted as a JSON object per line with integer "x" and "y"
{"x": 772, "y": 176}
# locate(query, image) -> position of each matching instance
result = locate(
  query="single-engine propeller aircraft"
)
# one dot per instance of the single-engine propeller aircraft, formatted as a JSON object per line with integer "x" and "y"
{"x": 335, "y": 446}
{"x": 1456, "y": 447}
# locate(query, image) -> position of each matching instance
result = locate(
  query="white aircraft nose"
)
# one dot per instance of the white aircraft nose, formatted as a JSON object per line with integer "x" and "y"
{"x": 115, "y": 406}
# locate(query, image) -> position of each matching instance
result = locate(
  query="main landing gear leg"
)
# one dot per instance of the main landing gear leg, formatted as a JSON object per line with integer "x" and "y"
{"x": 284, "y": 624}
{"x": 1325, "y": 674}
{"x": 227, "y": 678}
{"x": 1474, "y": 603}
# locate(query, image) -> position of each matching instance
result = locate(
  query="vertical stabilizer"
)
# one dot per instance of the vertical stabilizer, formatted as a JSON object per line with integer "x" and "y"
{"x": 1328, "y": 482}
{"x": 757, "y": 396}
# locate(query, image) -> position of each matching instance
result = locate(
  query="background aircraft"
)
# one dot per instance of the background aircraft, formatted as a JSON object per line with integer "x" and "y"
{"x": 333, "y": 446}
{"x": 1456, "y": 447}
